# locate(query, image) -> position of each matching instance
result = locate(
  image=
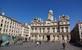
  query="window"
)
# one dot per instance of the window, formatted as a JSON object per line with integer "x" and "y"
{"x": 4, "y": 26}
{"x": 7, "y": 26}
{"x": 39, "y": 35}
{"x": 10, "y": 26}
{"x": 9, "y": 29}
{"x": 6, "y": 30}
{"x": 53, "y": 30}
{"x": 5, "y": 21}
{"x": 43, "y": 29}
{"x": 2, "y": 20}
{"x": 0, "y": 29}
{"x": 66, "y": 29}
{"x": 40, "y": 30}
{"x": 81, "y": 34}
{"x": 1, "y": 25}
{"x": 62, "y": 37}
{"x": 32, "y": 28}
{"x": 12, "y": 30}
{"x": 35, "y": 28}
{"x": 48, "y": 29}
{"x": 62, "y": 29}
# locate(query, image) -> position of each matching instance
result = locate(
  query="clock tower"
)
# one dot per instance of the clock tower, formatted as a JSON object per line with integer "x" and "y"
{"x": 50, "y": 15}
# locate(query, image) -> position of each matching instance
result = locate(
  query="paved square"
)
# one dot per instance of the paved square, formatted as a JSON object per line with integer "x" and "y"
{"x": 42, "y": 46}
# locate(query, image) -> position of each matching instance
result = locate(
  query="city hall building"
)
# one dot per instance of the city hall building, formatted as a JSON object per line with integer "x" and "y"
{"x": 38, "y": 30}
{"x": 50, "y": 30}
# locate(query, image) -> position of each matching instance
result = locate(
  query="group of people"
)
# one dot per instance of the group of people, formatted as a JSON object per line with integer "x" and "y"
{"x": 63, "y": 44}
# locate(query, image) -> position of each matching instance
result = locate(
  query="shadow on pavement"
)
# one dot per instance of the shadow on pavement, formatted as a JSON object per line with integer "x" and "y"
{"x": 76, "y": 44}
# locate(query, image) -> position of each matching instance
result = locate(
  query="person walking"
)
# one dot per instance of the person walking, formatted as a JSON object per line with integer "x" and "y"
{"x": 64, "y": 45}
{"x": 0, "y": 42}
{"x": 37, "y": 43}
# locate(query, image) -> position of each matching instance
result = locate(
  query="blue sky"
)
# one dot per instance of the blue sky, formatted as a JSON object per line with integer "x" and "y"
{"x": 25, "y": 10}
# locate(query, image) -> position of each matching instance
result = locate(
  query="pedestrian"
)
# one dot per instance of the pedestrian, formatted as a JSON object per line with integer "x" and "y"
{"x": 37, "y": 43}
{"x": 64, "y": 45}
{"x": 0, "y": 42}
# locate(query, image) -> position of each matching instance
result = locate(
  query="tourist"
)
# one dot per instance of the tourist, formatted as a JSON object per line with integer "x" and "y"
{"x": 64, "y": 45}
{"x": 37, "y": 43}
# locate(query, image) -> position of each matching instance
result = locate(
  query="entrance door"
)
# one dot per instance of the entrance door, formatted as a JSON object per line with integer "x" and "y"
{"x": 48, "y": 37}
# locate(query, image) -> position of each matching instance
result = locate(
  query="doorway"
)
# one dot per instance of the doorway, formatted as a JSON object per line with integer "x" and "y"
{"x": 48, "y": 37}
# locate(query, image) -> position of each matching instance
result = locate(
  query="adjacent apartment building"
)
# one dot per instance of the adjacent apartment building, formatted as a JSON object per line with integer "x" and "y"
{"x": 12, "y": 27}
{"x": 76, "y": 33}
{"x": 50, "y": 30}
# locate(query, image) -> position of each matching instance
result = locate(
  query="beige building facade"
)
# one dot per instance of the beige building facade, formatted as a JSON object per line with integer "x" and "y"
{"x": 50, "y": 30}
{"x": 12, "y": 27}
{"x": 38, "y": 30}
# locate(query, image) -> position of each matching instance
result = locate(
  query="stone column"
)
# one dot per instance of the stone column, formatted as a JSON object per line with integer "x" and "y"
{"x": 45, "y": 38}
{"x": 60, "y": 38}
{"x": 68, "y": 37}
{"x": 33, "y": 38}
{"x": 51, "y": 30}
{"x": 60, "y": 29}
{"x": 45, "y": 30}
{"x": 41, "y": 38}
{"x": 38, "y": 30}
{"x": 55, "y": 30}
{"x": 65, "y": 39}
{"x": 64, "y": 29}
{"x": 51, "y": 38}
{"x": 38, "y": 38}
{"x": 56, "y": 38}
{"x": 41, "y": 30}
{"x": 68, "y": 29}
{"x": 34, "y": 30}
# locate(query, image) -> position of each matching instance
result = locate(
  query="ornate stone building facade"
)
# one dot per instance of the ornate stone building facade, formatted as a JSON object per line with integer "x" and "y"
{"x": 50, "y": 30}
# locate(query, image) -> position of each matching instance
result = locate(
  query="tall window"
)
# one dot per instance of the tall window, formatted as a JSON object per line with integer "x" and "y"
{"x": 35, "y": 29}
{"x": 5, "y": 21}
{"x": 53, "y": 30}
{"x": 2, "y": 20}
{"x": 40, "y": 30}
{"x": 66, "y": 29}
{"x": 0, "y": 29}
{"x": 48, "y": 29}
{"x": 1, "y": 25}
{"x": 62, "y": 29}
{"x": 32, "y": 29}
{"x": 43, "y": 30}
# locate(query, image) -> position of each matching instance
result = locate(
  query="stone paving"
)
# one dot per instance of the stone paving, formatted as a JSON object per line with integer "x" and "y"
{"x": 42, "y": 46}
